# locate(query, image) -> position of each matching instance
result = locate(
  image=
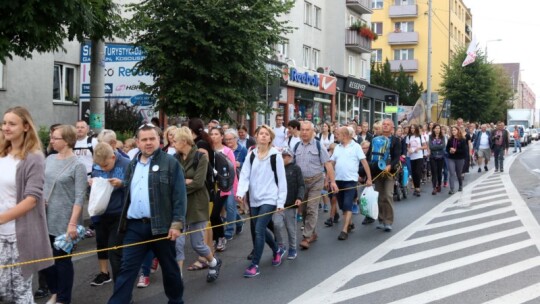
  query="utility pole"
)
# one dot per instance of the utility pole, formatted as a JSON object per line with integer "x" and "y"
{"x": 428, "y": 95}
{"x": 97, "y": 86}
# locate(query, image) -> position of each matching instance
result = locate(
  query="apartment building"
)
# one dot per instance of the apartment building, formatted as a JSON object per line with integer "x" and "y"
{"x": 402, "y": 26}
{"x": 327, "y": 64}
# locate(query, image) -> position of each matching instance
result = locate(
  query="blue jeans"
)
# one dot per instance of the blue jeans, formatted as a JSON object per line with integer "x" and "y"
{"x": 133, "y": 257}
{"x": 262, "y": 234}
{"x": 232, "y": 215}
{"x": 147, "y": 263}
{"x": 60, "y": 275}
{"x": 517, "y": 144}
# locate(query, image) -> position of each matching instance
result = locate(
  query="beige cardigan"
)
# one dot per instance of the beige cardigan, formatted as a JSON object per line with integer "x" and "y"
{"x": 31, "y": 228}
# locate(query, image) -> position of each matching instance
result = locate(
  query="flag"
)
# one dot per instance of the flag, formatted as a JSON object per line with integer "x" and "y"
{"x": 471, "y": 52}
{"x": 418, "y": 113}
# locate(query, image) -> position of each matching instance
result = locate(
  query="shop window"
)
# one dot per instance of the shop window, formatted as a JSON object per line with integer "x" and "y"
{"x": 64, "y": 83}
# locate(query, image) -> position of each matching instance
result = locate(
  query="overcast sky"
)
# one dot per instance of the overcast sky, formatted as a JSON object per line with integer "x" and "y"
{"x": 517, "y": 24}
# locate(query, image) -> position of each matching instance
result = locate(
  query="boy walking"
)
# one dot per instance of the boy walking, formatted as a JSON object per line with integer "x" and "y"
{"x": 285, "y": 221}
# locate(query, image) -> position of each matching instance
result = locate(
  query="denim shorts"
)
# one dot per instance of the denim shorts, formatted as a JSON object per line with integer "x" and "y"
{"x": 345, "y": 198}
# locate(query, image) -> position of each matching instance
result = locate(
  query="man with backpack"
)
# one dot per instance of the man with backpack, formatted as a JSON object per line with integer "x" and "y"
{"x": 84, "y": 147}
{"x": 385, "y": 153}
{"x": 312, "y": 160}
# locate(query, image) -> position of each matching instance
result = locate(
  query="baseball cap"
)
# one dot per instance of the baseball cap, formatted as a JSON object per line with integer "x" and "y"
{"x": 287, "y": 151}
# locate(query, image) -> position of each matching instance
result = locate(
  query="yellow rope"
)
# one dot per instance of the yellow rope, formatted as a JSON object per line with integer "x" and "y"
{"x": 383, "y": 174}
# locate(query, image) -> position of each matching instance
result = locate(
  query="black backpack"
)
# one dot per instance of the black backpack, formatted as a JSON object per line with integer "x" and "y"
{"x": 209, "y": 182}
{"x": 224, "y": 172}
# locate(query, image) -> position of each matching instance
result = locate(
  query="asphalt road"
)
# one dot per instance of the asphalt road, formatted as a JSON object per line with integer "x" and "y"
{"x": 475, "y": 246}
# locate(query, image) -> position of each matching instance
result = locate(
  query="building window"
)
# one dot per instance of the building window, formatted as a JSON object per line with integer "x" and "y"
{"x": 364, "y": 69}
{"x": 64, "y": 82}
{"x": 404, "y": 54}
{"x": 282, "y": 49}
{"x": 305, "y": 60}
{"x": 318, "y": 17}
{"x": 377, "y": 4}
{"x": 377, "y": 27}
{"x": 405, "y": 2}
{"x": 351, "y": 65}
{"x": 352, "y": 20}
{"x": 316, "y": 57}
{"x": 2, "y": 76}
{"x": 376, "y": 55}
{"x": 307, "y": 12}
{"x": 404, "y": 27}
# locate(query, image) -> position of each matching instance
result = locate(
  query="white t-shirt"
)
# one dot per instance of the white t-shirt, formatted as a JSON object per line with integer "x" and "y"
{"x": 414, "y": 142}
{"x": 326, "y": 142}
{"x": 132, "y": 153}
{"x": 293, "y": 141}
{"x": 171, "y": 150}
{"x": 83, "y": 152}
{"x": 347, "y": 161}
{"x": 484, "y": 141}
{"x": 8, "y": 190}
{"x": 281, "y": 135}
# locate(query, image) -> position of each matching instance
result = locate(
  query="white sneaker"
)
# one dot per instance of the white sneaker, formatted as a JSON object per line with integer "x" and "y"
{"x": 52, "y": 300}
{"x": 144, "y": 281}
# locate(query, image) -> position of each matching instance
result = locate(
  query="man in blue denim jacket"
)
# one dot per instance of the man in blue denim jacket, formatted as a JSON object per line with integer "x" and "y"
{"x": 155, "y": 207}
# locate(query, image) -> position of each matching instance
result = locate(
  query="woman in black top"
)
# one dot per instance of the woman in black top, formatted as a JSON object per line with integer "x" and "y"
{"x": 436, "y": 148}
{"x": 457, "y": 149}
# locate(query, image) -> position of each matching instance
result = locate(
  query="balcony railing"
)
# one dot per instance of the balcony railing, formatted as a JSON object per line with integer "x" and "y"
{"x": 403, "y": 11}
{"x": 408, "y": 65}
{"x": 359, "y": 6}
{"x": 356, "y": 43}
{"x": 401, "y": 38}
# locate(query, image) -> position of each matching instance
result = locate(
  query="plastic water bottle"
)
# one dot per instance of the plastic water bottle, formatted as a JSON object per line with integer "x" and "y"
{"x": 405, "y": 176}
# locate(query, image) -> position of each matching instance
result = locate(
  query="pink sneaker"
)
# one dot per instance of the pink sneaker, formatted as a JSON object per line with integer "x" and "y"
{"x": 251, "y": 271}
{"x": 276, "y": 261}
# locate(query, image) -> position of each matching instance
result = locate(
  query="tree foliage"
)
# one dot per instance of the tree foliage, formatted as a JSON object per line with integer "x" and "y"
{"x": 477, "y": 91}
{"x": 207, "y": 56}
{"x": 33, "y": 25}
{"x": 382, "y": 75}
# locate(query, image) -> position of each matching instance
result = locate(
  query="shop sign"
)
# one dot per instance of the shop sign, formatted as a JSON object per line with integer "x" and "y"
{"x": 309, "y": 80}
{"x": 354, "y": 85}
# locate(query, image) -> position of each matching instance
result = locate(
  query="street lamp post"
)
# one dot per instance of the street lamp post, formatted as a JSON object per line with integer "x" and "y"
{"x": 486, "y": 48}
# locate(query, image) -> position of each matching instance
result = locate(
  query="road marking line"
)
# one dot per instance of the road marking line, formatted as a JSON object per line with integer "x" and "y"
{"x": 502, "y": 203}
{"x": 375, "y": 286}
{"x": 473, "y": 282}
{"x": 468, "y": 218}
{"x": 445, "y": 249}
{"x": 520, "y": 296}
{"x": 462, "y": 230}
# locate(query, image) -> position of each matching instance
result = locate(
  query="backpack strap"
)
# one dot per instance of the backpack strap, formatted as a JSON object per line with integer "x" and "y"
{"x": 89, "y": 144}
{"x": 196, "y": 160}
{"x": 272, "y": 164}
{"x": 317, "y": 143}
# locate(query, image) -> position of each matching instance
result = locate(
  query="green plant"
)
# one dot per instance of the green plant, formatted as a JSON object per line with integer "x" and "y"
{"x": 364, "y": 30}
{"x": 121, "y": 117}
{"x": 43, "y": 134}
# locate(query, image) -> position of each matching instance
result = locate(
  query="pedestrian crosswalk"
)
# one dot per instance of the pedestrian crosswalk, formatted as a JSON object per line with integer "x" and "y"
{"x": 478, "y": 246}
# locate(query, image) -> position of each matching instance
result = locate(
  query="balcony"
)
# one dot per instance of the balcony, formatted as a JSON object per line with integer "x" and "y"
{"x": 402, "y": 38}
{"x": 403, "y": 11}
{"x": 356, "y": 43}
{"x": 408, "y": 65}
{"x": 359, "y": 6}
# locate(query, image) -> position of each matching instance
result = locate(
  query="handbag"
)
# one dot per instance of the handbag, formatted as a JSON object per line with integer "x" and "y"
{"x": 368, "y": 203}
{"x": 100, "y": 194}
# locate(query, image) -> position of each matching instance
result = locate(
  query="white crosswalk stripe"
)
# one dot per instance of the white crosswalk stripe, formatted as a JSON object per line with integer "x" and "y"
{"x": 477, "y": 239}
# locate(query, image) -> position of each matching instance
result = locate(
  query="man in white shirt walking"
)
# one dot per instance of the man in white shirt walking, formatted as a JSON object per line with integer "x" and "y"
{"x": 281, "y": 132}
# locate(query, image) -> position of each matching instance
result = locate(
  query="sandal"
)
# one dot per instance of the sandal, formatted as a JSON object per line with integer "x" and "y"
{"x": 198, "y": 265}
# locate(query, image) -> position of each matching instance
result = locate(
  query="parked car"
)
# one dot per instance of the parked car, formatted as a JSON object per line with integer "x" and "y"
{"x": 524, "y": 140}
{"x": 534, "y": 134}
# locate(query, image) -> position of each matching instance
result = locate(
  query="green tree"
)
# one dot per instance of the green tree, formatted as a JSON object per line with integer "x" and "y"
{"x": 409, "y": 92}
{"x": 42, "y": 26}
{"x": 503, "y": 93}
{"x": 208, "y": 56}
{"x": 472, "y": 89}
